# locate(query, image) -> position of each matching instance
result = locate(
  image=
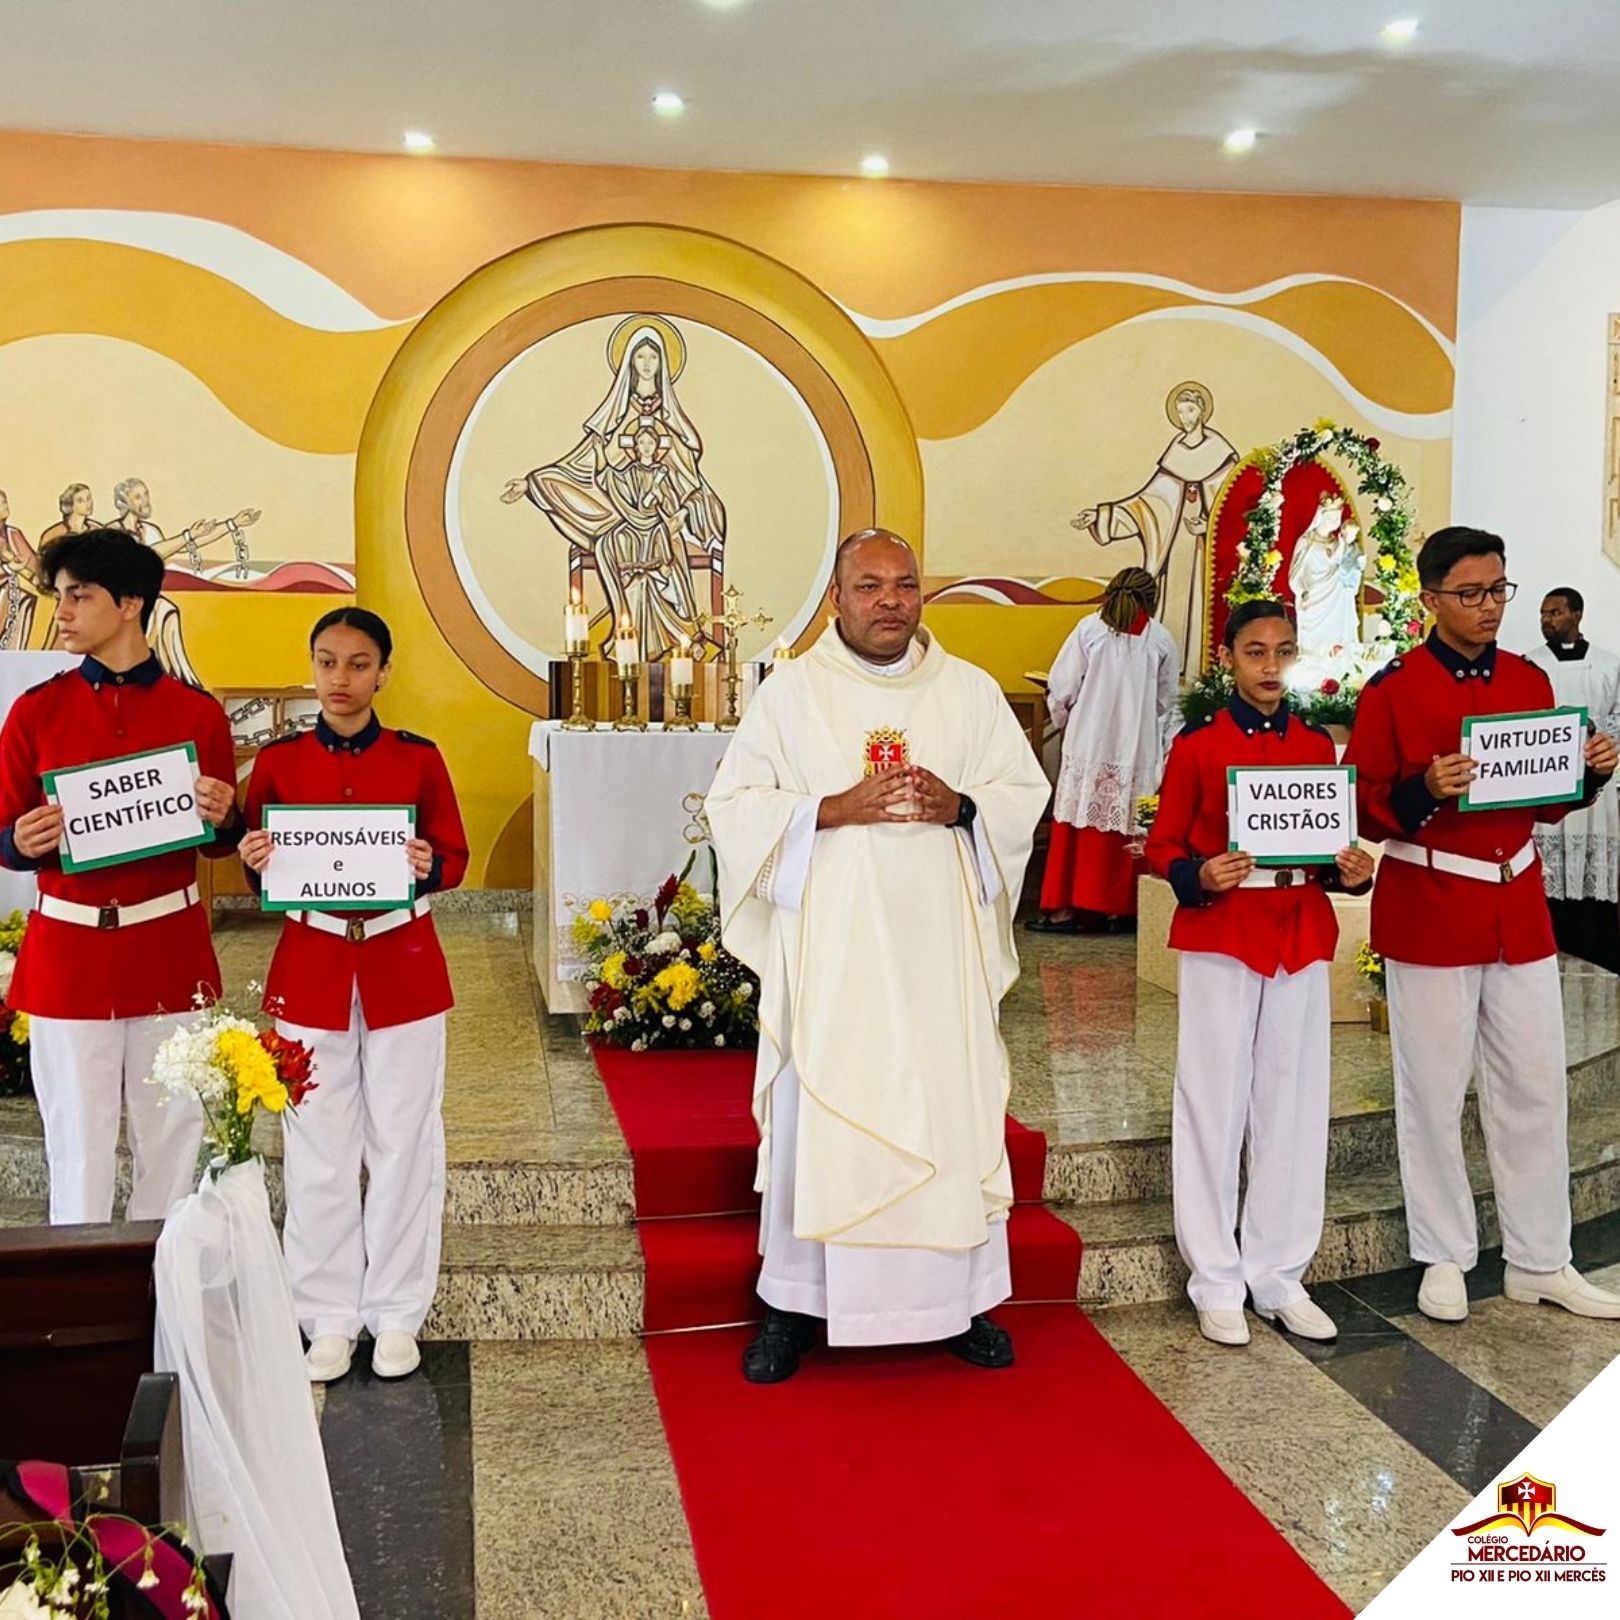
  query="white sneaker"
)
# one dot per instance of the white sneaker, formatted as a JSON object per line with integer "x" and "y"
{"x": 1443, "y": 1293}
{"x": 1567, "y": 1288}
{"x": 327, "y": 1359}
{"x": 394, "y": 1355}
{"x": 1223, "y": 1327}
{"x": 1305, "y": 1319}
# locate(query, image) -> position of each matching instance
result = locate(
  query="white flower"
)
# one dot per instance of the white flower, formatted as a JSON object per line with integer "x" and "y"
{"x": 666, "y": 941}
{"x": 20, "y": 1601}
{"x": 1375, "y": 627}
{"x": 621, "y": 1015}
{"x": 148, "y": 1579}
{"x": 744, "y": 992}
{"x": 706, "y": 1010}
{"x": 719, "y": 1040}
{"x": 1273, "y": 498}
{"x": 1383, "y": 504}
{"x": 668, "y": 1020}
{"x": 8, "y": 965}
{"x": 638, "y": 1045}
{"x": 686, "y": 1023}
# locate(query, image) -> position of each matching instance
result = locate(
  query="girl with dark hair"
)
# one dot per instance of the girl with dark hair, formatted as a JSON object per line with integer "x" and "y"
{"x": 367, "y": 991}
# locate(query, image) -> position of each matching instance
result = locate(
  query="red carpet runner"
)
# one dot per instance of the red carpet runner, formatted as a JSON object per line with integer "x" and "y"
{"x": 900, "y": 1484}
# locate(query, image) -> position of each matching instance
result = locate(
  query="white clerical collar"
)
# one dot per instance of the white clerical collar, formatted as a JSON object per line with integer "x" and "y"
{"x": 903, "y": 665}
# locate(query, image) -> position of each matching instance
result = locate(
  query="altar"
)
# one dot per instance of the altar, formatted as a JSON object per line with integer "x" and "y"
{"x": 615, "y": 812}
{"x": 18, "y": 672}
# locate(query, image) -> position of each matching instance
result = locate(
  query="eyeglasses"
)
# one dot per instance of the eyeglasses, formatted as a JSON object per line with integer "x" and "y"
{"x": 1472, "y": 596}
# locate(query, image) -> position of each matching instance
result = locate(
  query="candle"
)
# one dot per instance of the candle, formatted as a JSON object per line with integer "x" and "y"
{"x": 680, "y": 669}
{"x": 626, "y": 647}
{"x": 576, "y": 628}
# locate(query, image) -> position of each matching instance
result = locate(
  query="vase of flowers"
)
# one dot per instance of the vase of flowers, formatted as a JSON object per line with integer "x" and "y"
{"x": 658, "y": 977}
{"x": 83, "y": 1568}
{"x": 1370, "y": 969}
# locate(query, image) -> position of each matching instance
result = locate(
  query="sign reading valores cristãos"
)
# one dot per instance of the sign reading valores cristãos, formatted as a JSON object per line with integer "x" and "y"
{"x": 338, "y": 857}
{"x": 1291, "y": 815}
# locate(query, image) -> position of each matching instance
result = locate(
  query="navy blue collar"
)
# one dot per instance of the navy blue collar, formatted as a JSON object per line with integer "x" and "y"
{"x": 98, "y": 675}
{"x": 1453, "y": 661}
{"x": 357, "y": 744}
{"x": 1250, "y": 720}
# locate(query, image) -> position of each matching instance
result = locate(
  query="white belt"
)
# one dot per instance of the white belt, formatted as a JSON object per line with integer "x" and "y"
{"x": 356, "y": 929}
{"x": 1275, "y": 877}
{"x": 1463, "y": 865}
{"x": 115, "y": 916}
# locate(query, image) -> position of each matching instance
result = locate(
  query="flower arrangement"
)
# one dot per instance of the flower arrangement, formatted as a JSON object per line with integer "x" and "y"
{"x": 73, "y": 1575}
{"x": 1370, "y": 967}
{"x": 236, "y": 1071}
{"x": 14, "y": 1076}
{"x": 658, "y": 978}
{"x": 1147, "y": 808}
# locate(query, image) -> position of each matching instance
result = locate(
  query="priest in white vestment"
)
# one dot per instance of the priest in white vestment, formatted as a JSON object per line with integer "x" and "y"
{"x": 872, "y": 819}
{"x": 1580, "y": 855}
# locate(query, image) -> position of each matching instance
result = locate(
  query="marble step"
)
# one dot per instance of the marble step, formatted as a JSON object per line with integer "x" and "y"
{"x": 1124, "y": 1169}
{"x": 540, "y": 1186}
{"x": 1130, "y": 1248}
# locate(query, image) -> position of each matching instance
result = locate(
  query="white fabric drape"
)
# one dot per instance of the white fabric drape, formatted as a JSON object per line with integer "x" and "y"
{"x": 256, "y": 1481}
{"x": 1114, "y": 695}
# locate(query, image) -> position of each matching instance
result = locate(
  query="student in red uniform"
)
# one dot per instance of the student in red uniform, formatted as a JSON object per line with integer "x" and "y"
{"x": 368, "y": 993}
{"x": 1460, "y": 917}
{"x": 111, "y": 956}
{"x": 1252, "y": 1056}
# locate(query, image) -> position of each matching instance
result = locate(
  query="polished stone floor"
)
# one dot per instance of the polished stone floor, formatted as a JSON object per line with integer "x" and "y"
{"x": 529, "y": 1478}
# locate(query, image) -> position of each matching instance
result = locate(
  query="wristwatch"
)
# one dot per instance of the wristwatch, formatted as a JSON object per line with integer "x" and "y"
{"x": 966, "y": 814}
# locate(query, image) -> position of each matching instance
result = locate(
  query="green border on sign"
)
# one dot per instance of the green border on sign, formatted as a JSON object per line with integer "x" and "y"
{"x": 51, "y": 778}
{"x": 1347, "y": 771}
{"x": 1471, "y": 720}
{"x": 266, "y": 904}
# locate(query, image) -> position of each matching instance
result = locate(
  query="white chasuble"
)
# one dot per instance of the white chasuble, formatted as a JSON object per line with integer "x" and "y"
{"x": 881, "y": 979}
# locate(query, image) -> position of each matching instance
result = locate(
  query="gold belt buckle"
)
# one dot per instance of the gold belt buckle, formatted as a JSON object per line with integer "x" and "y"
{"x": 357, "y": 930}
{"x": 1285, "y": 878}
{"x": 1506, "y": 869}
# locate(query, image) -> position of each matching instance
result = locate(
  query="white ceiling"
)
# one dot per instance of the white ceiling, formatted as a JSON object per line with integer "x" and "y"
{"x": 1504, "y": 101}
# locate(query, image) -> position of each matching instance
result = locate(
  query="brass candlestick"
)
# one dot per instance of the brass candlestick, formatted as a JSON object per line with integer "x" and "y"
{"x": 683, "y": 720}
{"x": 628, "y": 719}
{"x": 734, "y": 619}
{"x": 578, "y": 720}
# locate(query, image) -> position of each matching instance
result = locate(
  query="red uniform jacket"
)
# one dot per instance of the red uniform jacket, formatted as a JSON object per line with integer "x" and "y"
{"x": 1265, "y": 929}
{"x": 1409, "y": 713}
{"x": 401, "y": 974}
{"x": 68, "y": 970}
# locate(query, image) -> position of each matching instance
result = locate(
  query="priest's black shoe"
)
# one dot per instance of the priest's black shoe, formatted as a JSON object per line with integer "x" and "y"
{"x": 776, "y": 1348}
{"x": 983, "y": 1345}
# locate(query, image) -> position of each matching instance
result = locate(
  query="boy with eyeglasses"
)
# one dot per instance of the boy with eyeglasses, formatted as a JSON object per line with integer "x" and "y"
{"x": 1459, "y": 916}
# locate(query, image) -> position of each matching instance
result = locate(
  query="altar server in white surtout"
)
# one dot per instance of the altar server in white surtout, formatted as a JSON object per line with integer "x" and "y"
{"x": 873, "y": 818}
{"x": 1580, "y": 856}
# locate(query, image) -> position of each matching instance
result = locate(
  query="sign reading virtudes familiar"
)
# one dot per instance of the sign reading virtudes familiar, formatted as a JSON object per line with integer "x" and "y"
{"x": 338, "y": 857}
{"x": 123, "y": 809}
{"x": 1522, "y": 759}
{"x": 1291, "y": 815}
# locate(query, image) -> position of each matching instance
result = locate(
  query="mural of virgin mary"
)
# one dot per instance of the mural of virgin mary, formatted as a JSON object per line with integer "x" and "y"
{"x": 647, "y": 355}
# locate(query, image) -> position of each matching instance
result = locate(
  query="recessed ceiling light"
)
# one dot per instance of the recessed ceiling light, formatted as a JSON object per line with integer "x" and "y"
{"x": 1401, "y": 31}
{"x": 1240, "y": 140}
{"x": 417, "y": 141}
{"x": 669, "y": 103}
{"x": 874, "y": 165}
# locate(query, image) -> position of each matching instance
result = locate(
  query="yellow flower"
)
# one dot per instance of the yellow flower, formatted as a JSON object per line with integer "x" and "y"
{"x": 19, "y": 1028}
{"x": 1325, "y": 424}
{"x": 680, "y": 982}
{"x": 1386, "y": 563}
{"x": 252, "y": 1071}
{"x": 706, "y": 951}
{"x": 601, "y": 911}
{"x": 688, "y": 904}
{"x": 1407, "y": 581}
{"x": 613, "y": 970}
{"x": 1273, "y": 558}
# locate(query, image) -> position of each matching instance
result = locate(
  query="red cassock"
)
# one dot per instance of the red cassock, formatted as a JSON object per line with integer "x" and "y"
{"x": 1266, "y": 929}
{"x": 69, "y": 970}
{"x": 1409, "y": 713}
{"x": 401, "y": 974}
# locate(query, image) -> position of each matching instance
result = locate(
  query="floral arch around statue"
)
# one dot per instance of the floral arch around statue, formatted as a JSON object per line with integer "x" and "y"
{"x": 1286, "y": 495}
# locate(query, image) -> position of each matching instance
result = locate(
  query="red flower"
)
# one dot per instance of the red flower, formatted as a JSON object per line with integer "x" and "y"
{"x": 1330, "y": 686}
{"x": 294, "y": 1064}
{"x": 666, "y": 895}
{"x": 1414, "y": 627}
{"x": 641, "y": 918}
{"x": 633, "y": 966}
{"x": 1372, "y": 445}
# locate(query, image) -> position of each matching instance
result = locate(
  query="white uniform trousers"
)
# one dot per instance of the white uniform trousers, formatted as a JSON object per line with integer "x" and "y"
{"x": 379, "y": 1103}
{"x": 1509, "y": 1022}
{"x": 867, "y": 1295}
{"x": 1252, "y": 1069}
{"x": 87, "y": 1072}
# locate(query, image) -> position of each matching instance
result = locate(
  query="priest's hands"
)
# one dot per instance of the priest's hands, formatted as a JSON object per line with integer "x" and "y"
{"x": 866, "y": 804}
{"x": 38, "y": 831}
{"x": 1223, "y": 872}
{"x": 936, "y": 803}
{"x": 255, "y": 849}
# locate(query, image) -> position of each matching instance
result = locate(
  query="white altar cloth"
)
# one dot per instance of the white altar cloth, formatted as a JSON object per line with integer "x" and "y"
{"x": 615, "y": 812}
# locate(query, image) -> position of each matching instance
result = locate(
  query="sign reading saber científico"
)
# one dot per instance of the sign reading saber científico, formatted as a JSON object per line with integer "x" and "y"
{"x": 338, "y": 857}
{"x": 1291, "y": 815}
{"x": 124, "y": 809}
{"x": 1523, "y": 759}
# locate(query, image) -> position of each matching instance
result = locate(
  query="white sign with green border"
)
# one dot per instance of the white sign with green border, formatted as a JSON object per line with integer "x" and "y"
{"x": 338, "y": 857}
{"x": 125, "y": 809}
{"x": 1291, "y": 815}
{"x": 1538, "y": 757}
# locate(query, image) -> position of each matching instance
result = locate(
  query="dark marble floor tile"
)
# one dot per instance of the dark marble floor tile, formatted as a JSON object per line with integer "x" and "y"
{"x": 399, "y": 1453}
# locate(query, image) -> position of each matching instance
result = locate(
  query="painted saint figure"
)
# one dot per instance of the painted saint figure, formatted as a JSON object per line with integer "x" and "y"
{"x": 19, "y": 582}
{"x": 576, "y": 493}
{"x": 77, "y": 504}
{"x": 1168, "y": 517}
